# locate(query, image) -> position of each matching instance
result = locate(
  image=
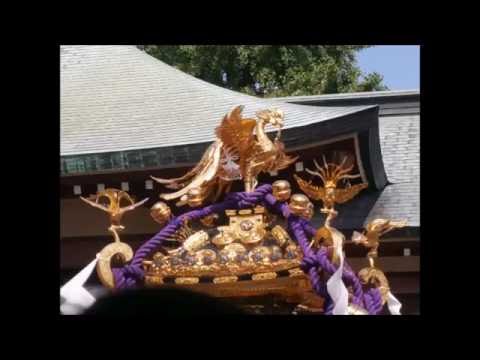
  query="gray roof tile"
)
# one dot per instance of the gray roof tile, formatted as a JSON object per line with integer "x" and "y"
{"x": 117, "y": 98}
{"x": 400, "y": 142}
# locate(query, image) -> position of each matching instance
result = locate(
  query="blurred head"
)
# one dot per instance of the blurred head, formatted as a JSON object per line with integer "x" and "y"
{"x": 168, "y": 302}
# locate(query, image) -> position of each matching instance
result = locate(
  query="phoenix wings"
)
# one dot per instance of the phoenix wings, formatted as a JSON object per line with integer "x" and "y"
{"x": 330, "y": 175}
{"x": 312, "y": 191}
{"x": 344, "y": 195}
{"x": 242, "y": 150}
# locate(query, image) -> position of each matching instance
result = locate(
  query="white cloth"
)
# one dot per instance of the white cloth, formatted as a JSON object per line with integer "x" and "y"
{"x": 77, "y": 298}
{"x": 393, "y": 304}
{"x": 335, "y": 286}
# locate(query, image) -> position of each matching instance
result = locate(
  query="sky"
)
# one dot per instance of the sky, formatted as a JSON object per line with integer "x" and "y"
{"x": 399, "y": 65}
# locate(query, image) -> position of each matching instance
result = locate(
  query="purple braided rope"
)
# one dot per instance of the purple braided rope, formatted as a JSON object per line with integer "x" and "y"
{"x": 279, "y": 207}
{"x": 308, "y": 262}
{"x": 131, "y": 275}
{"x": 348, "y": 276}
{"x": 308, "y": 228}
{"x": 329, "y": 308}
{"x": 322, "y": 262}
{"x": 353, "y": 280}
{"x": 296, "y": 229}
{"x": 373, "y": 301}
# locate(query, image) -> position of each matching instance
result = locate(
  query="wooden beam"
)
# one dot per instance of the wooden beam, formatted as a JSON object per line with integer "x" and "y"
{"x": 404, "y": 283}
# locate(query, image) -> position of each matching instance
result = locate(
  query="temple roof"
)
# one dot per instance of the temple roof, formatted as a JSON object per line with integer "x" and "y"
{"x": 118, "y": 98}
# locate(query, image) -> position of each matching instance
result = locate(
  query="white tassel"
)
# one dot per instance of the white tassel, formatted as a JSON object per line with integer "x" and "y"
{"x": 337, "y": 291}
{"x": 77, "y": 298}
{"x": 394, "y": 305}
{"x": 335, "y": 286}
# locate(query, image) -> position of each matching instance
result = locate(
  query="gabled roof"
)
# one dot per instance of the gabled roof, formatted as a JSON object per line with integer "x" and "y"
{"x": 118, "y": 98}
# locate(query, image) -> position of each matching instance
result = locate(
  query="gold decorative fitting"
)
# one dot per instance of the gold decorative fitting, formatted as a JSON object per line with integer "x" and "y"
{"x": 230, "y": 212}
{"x": 187, "y": 280}
{"x": 248, "y": 228}
{"x": 147, "y": 264}
{"x": 153, "y": 280}
{"x": 205, "y": 257}
{"x": 209, "y": 221}
{"x": 281, "y": 190}
{"x": 194, "y": 242}
{"x": 233, "y": 250}
{"x": 115, "y": 212}
{"x": 296, "y": 272}
{"x": 224, "y": 237}
{"x": 245, "y": 212}
{"x": 161, "y": 212}
{"x": 104, "y": 269}
{"x": 259, "y": 210}
{"x": 194, "y": 197}
{"x": 225, "y": 279}
{"x": 298, "y": 204}
{"x": 323, "y": 237}
{"x": 114, "y": 209}
{"x": 370, "y": 237}
{"x": 158, "y": 256}
{"x": 232, "y": 258}
{"x": 281, "y": 236}
{"x": 264, "y": 276}
{"x": 260, "y": 254}
{"x": 375, "y": 277}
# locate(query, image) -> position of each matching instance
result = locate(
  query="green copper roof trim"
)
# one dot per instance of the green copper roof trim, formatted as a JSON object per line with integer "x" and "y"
{"x": 131, "y": 159}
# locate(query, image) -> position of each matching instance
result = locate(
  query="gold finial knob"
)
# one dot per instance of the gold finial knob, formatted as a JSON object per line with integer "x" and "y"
{"x": 160, "y": 212}
{"x": 282, "y": 190}
{"x": 194, "y": 197}
{"x": 372, "y": 276}
{"x": 299, "y": 204}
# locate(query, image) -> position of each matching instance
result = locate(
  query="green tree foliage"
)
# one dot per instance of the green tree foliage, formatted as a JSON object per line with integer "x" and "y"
{"x": 272, "y": 70}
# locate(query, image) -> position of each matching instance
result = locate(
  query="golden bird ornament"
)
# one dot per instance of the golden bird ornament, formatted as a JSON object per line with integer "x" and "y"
{"x": 242, "y": 150}
{"x": 331, "y": 174}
